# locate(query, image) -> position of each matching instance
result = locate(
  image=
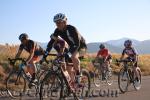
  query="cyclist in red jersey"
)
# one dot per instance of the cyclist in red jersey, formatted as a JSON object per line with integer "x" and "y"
{"x": 103, "y": 53}
{"x": 103, "y": 57}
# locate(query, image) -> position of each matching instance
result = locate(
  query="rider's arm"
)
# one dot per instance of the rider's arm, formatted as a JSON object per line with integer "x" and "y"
{"x": 135, "y": 54}
{"x": 106, "y": 54}
{"x": 19, "y": 52}
{"x": 98, "y": 53}
{"x": 31, "y": 53}
{"x": 50, "y": 45}
{"x": 123, "y": 53}
{"x": 76, "y": 37}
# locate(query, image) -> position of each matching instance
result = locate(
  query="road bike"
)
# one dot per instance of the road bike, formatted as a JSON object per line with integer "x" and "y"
{"x": 18, "y": 82}
{"x": 56, "y": 82}
{"x": 102, "y": 73}
{"x": 127, "y": 75}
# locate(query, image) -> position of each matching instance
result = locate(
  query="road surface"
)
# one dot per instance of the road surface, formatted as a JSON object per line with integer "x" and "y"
{"x": 142, "y": 94}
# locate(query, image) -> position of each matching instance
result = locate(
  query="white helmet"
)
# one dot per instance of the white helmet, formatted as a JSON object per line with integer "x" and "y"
{"x": 59, "y": 16}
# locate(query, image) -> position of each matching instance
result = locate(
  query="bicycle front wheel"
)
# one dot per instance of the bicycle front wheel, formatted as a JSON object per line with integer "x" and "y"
{"x": 15, "y": 84}
{"x": 50, "y": 87}
{"x": 137, "y": 81}
{"x": 123, "y": 80}
{"x": 109, "y": 77}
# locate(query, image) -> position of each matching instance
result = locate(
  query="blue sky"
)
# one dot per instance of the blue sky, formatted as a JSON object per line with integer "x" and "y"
{"x": 96, "y": 20}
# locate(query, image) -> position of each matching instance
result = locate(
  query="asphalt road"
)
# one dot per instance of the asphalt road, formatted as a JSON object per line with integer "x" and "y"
{"x": 112, "y": 92}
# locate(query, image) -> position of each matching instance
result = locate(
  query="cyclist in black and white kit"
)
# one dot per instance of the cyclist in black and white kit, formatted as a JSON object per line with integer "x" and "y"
{"x": 70, "y": 34}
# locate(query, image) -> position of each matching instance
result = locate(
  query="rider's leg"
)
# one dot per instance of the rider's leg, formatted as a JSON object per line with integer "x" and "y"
{"x": 32, "y": 67}
{"x": 76, "y": 62}
{"x": 71, "y": 73}
{"x": 135, "y": 70}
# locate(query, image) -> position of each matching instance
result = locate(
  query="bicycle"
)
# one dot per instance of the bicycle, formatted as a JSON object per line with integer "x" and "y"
{"x": 56, "y": 81}
{"x": 16, "y": 82}
{"x": 127, "y": 75}
{"x": 102, "y": 73}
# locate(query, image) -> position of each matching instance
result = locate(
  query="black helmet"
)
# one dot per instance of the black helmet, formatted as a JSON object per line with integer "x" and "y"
{"x": 128, "y": 43}
{"x": 23, "y": 36}
{"x": 101, "y": 46}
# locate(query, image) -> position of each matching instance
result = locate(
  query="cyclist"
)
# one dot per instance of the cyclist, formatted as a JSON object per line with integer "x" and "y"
{"x": 131, "y": 55}
{"x": 104, "y": 58}
{"x": 34, "y": 50}
{"x": 73, "y": 38}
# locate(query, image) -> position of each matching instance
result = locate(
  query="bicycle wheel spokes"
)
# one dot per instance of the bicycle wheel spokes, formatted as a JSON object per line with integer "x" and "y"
{"x": 109, "y": 77}
{"x": 50, "y": 87}
{"x": 97, "y": 77}
{"x": 84, "y": 86}
{"x": 137, "y": 80}
{"x": 123, "y": 80}
{"x": 15, "y": 84}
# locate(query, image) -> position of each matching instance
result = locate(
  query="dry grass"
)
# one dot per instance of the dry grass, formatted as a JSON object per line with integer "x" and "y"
{"x": 143, "y": 63}
{"x": 10, "y": 52}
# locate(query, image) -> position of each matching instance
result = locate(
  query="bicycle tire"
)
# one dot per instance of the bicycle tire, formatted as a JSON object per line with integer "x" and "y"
{"x": 49, "y": 86}
{"x": 15, "y": 90}
{"x": 109, "y": 77}
{"x": 97, "y": 79}
{"x": 86, "y": 81}
{"x": 123, "y": 73}
{"x": 137, "y": 85}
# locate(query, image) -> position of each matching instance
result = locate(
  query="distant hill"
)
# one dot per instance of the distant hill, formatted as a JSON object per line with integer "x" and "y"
{"x": 116, "y": 46}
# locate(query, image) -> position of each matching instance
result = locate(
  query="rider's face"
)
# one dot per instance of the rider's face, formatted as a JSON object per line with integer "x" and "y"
{"x": 60, "y": 25}
{"x": 24, "y": 41}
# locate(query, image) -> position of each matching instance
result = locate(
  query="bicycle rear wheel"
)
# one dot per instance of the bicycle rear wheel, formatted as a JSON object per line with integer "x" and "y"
{"x": 97, "y": 79}
{"x": 85, "y": 85}
{"x": 123, "y": 80}
{"x": 137, "y": 82}
{"x": 15, "y": 84}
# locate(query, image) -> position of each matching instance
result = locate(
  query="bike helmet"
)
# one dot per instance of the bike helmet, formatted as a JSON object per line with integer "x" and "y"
{"x": 59, "y": 16}
{"x": 102, "y": 46}
{"x": 23, "y": 36}
{"x": 128, "y": 43}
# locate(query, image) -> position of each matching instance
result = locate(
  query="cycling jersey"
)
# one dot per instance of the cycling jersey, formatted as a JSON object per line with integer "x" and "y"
{"x": 131, "y": 52}
{"x": 30, "y": 45}
{"x": 70, "y": 35}
{"x": 103, "y": 52}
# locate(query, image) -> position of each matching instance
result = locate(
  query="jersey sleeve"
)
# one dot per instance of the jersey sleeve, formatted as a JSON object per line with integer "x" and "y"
{"x": 135, "y": 51}
{"x": 31, "y": 45}
{"x": 53, "y": 37}
{"x": 123, "y": 52}
{"x": 76, "y": 37}
{"x": 21, "y": 47}
{"x": 98, "y": 53}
